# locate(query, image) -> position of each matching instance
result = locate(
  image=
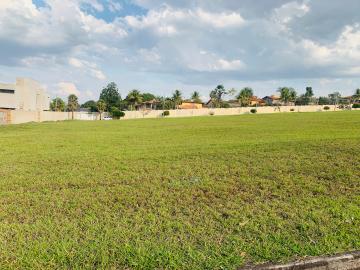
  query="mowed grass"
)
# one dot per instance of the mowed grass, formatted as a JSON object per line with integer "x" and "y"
{"x": 187, "y": 193}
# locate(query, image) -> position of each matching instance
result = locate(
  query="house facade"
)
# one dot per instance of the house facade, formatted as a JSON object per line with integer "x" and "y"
{"x": 190, "y": 105}
{"x": 25, "y": 94}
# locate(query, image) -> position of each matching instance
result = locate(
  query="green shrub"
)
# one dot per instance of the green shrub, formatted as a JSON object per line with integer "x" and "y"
{"x": 211, "y": 113}
{"x": 292, "y": 110}
{"x": 116, "y": 113}
{"x": 165, "y": 113}
{"x": 326, "y": 108}
{"x": 356, "y": 106}
{"x": 253, "y": 111}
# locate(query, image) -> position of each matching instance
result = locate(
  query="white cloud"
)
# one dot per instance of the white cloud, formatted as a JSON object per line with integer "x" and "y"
{"x": 75, "y": 62}
{"x": 220, "y": 20}
{"x": 196, "y": 42}
{"x": 98, "y": 74}
{"x": 67, "y": 88}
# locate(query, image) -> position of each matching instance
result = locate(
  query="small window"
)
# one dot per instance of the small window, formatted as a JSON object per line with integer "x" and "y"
{"x": 7, "y": 91}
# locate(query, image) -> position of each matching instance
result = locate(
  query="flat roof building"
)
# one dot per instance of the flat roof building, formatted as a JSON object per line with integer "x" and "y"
{"x": 25, "y": 94}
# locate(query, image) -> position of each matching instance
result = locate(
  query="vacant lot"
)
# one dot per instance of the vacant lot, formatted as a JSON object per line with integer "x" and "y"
{"x": 191, "y": 193}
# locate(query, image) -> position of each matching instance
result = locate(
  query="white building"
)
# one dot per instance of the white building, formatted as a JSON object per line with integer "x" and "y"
{"x": 25, "y": 94}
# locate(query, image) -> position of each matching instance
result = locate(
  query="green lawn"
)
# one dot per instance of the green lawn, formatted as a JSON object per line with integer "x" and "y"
{"x": 187, "y": 193}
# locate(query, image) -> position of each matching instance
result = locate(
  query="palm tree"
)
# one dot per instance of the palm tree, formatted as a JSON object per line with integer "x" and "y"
{"x": 356, "y": 96}
{"x": 72, "y": 104}
{"x": 177, "y": 98}
{"x": 217, "y": 94}
{"x": 57, "y": 105}
{"x": 195, "y": 97}
{"x": 101, "y": 106}
{"x": 244, "y": 96}
{"x": 287, "y": 94}
{"x": 134, "y": 98}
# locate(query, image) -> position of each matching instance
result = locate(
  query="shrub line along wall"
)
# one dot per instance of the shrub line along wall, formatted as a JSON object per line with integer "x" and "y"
{"x": 18, "y": 117}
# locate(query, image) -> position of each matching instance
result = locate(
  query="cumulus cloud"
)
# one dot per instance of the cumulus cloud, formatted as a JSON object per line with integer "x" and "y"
{"x": 67, "y": 88}
{"x": 190, "y": 42}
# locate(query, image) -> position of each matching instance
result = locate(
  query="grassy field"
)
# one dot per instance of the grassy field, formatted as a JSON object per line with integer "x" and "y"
{"x": 191, "y": 193}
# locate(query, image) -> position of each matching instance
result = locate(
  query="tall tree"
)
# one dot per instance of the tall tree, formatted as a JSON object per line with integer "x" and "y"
{"x": 110, "y": 94}
{"x": 134, "y": 98}
{"x": 72, "y": 104}
{"x": 309, "y": 92}
{"x": 195, "y": 97}
{"x": 90, "y": 104}
{"x": 101, "y": 107}
{"x": 356, "y": 95}
{"x": 147, "y": 96}
{"x": 335, "y": 98}
{"x": 57, "y": 105}
{"x": 217, "y": 94}
{"x": 244, "y": 96}
{"x": 287, "y": 94}
{"x": 177, "y": 98}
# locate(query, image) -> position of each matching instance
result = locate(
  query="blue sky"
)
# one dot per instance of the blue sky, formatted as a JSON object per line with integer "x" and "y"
{"x": 78, "y": 46}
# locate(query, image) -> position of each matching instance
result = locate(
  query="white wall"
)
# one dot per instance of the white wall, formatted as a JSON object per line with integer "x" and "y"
{"x": 223, "y": 111}
{"x": 18, "y": 116}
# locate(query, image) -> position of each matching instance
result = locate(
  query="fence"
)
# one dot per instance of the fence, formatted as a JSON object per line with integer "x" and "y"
{"x": 17, "y": 117}
{"x": 4, "y": 117}
{"x": 223, "y": 111}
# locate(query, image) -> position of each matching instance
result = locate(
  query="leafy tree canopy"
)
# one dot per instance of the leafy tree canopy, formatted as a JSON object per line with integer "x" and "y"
{"x": 195, "y": 97}
{"x": 90, "y": 104}
{"x": 57, "y": 105}
{"x": 72, "y": 103}
{"x": 147, "y": 96}
{"x": 245, "y": 95}
{"x": 110, "y": 95}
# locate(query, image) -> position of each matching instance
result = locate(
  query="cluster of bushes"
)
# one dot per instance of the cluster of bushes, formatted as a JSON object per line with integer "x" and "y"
{"x": 356, "y": 106}
{"x": 116, "y": 113}
{"x": 165, "y": 113}
{"x": 326, "y": 108}
{"x": 253, "y": 111}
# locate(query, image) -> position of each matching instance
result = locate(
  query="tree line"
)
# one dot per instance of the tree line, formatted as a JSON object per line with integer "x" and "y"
{"x": 110, "y": 99}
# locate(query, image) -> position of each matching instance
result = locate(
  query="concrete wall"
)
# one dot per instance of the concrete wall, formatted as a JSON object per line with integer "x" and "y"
{"x": 229, "y": 111}
{"x": 17, "y": 116}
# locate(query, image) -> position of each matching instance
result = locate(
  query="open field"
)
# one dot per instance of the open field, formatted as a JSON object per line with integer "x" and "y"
{"x": 185, "y": 193}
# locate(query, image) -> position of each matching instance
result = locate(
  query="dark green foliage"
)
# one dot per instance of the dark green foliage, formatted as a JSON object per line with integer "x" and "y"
{"x": 147, "y": 96}
{"x": 324, "y": 101}
{"x": 356, "y": 106}
{"x": 110, "y": 95}
{"x": 57, "y": 105}
{"x": 116, "y": 113}
{"x": 224, "y": 104}
{"x": 326, "y": 108}
{"x": 244, "y": 96}
{"x": 253, "y": 111}
{"x": 91, "y": 105}
{"x": 287, "y": 94}
{"x": 292, "y": 110}
{"x": 165, "y": 113}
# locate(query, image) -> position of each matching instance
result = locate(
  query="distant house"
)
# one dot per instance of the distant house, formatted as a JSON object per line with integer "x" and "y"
{"x": 272, "y": 100}
{"x": 255, "y": 101}
{"x": 147, "y": 105}
{"x": 190, "y": 105}
{"x": 234, "y": 103}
